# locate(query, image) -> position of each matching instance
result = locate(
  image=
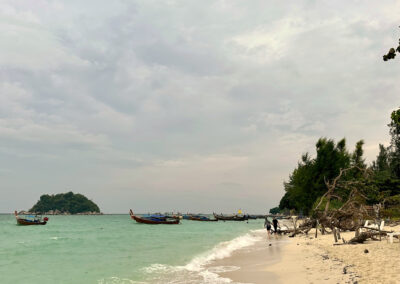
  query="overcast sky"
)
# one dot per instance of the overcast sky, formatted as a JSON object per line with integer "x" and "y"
{"x": 185, "y": 105}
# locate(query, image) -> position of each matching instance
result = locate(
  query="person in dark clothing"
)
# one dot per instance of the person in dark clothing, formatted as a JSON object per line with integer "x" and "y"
{"x": 267, "y": 225}
{"x": 275, "y": 223}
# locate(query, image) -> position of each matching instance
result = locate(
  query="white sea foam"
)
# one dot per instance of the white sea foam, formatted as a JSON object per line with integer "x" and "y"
{"x": 159, "y": 268}
{"x": 214, "y": 278}
{"x": 221, "y": 269}
{"x": 117, "y": 280}
{"x": 224, "y": 249}
{"x": 198, "y": 270}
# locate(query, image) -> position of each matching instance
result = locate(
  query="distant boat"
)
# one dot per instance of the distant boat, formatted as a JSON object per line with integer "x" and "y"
{"x": 202, "y": 218}
{"x": 231, "y": 217}
{"x": 155, "y": 216}
{"x": 153, "y": 221}
{"x": 30, "y": 220}
{"x": 187, "y": 216}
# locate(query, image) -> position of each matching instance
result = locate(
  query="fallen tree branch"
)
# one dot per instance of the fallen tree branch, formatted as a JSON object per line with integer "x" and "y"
{"x": 363, "y": 236}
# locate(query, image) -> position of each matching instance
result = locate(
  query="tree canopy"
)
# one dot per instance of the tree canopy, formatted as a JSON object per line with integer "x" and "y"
{"x": 308, "y": 181}
{"x": 65, "y": 202}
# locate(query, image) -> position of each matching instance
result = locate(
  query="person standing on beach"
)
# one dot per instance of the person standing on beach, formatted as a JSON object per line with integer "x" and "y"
{"x": 267, "y": 225}
{"x": 275, "y": 223}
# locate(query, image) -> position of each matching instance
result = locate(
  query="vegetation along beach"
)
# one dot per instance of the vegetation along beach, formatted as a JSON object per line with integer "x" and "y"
{"x": 199, "y": 142}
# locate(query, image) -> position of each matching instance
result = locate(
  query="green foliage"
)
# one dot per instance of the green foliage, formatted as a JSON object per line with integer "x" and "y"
{"x": 357, "y": 156}
{"x": 387, "y": 164}
{"x": 306, "y": 183}
{"x": 274, "y": 210}
{"x": 394, "y": 148}
{"x": 65, "y": 202}
{"x": 382, "y": 160}
{"x": 334, "y": 204}
{"x": 392, "y": 213}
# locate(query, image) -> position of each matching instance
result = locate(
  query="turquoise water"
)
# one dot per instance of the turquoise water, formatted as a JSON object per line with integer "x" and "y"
{"x": 114, "y": 249}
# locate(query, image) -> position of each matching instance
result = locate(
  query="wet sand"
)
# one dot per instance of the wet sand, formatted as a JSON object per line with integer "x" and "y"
{"x": 287, "y": 260}
{"x": 305, "y": 259}
{"x": 253, "y": 261}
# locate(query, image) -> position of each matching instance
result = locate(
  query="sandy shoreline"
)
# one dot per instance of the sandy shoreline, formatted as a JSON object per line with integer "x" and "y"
{"x": 305, "y": 259}
{"x": 252, "y": 261}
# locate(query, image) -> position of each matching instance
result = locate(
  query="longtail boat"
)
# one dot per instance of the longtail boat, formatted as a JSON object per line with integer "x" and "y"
{"x": 152, "y": 221}
{"x": 30, "y": 220}
{"x": 231, "y": 217}
{"x": 202, "y": 218}
{"x": 155, "y": 217}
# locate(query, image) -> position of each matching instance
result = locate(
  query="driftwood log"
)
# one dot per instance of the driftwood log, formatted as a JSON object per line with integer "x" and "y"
{"x": 363, "y": 236}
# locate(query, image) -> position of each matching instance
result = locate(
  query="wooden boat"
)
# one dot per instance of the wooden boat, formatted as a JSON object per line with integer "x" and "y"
{"x": 155, "y": 217}
{"x": 231, "y": 217}
{"x": 202, "y": 218}
{"x": 151, "y": 220}
{"x": 34, "y": 220}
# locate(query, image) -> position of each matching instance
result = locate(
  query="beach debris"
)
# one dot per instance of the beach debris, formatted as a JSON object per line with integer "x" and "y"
{"x": 352, "y": 213}
{"x": 270, "y": 245}
{"x": 345, "y": 271}
{"x": 363, "y": 236}
{"x": 325, "y": 256}
{"x": 366, "y": 251}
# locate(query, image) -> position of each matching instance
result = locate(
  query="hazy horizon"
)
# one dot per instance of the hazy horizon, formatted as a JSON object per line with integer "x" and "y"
{"x": 195, "y": 106}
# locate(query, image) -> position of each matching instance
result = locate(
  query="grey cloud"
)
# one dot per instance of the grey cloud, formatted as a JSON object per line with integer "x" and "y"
{"x": 140, "y": 98}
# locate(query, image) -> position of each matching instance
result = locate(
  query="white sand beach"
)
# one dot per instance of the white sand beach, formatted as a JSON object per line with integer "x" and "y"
{"x": 305, "y": 259}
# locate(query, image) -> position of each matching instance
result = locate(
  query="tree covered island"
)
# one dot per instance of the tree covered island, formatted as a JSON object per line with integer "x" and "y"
{"x": 65, "y": 203}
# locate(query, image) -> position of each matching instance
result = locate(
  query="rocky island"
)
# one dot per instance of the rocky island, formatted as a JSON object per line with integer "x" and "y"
{"x": 65, "y": 204}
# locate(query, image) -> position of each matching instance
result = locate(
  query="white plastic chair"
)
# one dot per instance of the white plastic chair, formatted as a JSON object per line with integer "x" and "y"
{"x": 373, "y": 226}
{"x": 391, "y": 236}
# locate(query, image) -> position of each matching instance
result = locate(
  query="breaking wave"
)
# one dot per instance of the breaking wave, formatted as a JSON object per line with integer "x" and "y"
{"x": 199, "y": 269}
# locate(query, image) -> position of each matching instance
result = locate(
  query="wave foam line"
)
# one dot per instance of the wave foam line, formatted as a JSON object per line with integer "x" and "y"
{"x": 223, "y": 250}
{"x": 198, "y": 264}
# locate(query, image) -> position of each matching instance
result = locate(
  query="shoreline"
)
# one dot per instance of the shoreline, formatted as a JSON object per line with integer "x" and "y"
{"x": 305, "y": 259}
{"x": 251, "y": 262}
{"x": 285, "y": 260}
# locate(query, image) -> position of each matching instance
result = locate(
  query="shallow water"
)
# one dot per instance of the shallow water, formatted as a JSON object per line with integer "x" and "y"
{"x": 115, "y": 249}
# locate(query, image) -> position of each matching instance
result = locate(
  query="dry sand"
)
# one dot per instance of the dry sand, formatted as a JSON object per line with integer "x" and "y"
{"x": 305, "y": 259}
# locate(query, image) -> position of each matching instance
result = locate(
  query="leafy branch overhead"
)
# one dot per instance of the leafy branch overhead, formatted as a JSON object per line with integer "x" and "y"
{"x": 392, "y": 53}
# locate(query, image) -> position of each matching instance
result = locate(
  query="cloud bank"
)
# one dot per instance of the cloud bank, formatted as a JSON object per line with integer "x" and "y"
{"x": 185, "y": 105}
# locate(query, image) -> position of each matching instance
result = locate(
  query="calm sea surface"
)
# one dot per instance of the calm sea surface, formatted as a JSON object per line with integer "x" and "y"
{"x": 115, "y": 249}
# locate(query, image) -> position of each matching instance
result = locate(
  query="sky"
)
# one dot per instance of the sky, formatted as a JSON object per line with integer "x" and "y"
{"x": 195, "y": 106}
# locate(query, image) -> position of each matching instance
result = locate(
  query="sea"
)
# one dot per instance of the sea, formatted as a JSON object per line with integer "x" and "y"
{"x": 115, "y": 249}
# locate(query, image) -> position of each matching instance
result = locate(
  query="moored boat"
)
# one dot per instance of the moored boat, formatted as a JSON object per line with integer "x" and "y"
{"x": 152, "y": 221}
{"x": 30, "y": 220}
{"x": 155, "y": 217}
{"x": 202, "y": 218}
{"x": 231, "y": 217}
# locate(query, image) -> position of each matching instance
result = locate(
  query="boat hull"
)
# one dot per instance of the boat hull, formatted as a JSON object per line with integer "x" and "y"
{"x": 24, "y": 222}
{"x": 203, "y": 219}
{"x": 230, "y": 218}
{"x": 152, "y": 222}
